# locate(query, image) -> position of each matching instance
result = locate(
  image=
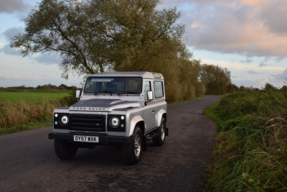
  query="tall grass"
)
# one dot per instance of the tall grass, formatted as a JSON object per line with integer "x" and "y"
{"x": 251, "y": 146}
{"x": 24, "y": 112}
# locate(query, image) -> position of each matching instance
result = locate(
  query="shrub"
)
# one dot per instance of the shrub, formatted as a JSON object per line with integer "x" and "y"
{"x": 24, "y": 113}
{"x": 251, "y": 149}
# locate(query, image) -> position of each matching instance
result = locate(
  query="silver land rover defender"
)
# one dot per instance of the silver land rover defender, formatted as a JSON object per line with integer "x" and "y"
{"x": 128, "y": 108}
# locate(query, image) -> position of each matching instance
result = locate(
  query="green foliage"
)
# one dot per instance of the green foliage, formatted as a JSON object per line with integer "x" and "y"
{"x": 212, "y": 113}
{"x": 71, "y": 99}
{"x": 13, "y": 114}
{"x": 269, "y": 87}
{"x": 30, "y": 97}
{"x": 250, "y": 151}
{"x": 186, "y": 100}
{"x": 34, "y": 124}
{"x": 216, "y": 79}
{"x": 94, "y": 36}
{"x": 21, "y": 111}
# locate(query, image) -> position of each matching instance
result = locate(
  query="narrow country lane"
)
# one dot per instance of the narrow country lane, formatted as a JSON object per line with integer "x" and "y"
{"x": 28, "y": 161}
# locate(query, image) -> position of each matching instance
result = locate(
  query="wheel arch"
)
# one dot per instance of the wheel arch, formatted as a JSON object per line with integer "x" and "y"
{"x": 161, "y": 113}
{"x": 141, "y": 126}
{"x": 165, "y": 117}
{"x": 136, "y": 121}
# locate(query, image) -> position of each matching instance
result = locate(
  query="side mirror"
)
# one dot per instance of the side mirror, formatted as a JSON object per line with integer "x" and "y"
{"x": 149, "y": 95}
{"x": 78, "y": 94}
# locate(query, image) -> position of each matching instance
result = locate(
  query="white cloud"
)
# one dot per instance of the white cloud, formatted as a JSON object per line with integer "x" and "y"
{"x": 251, "y": 74}
{"x": 12, "y": 32}
{"x": 258, "y": 83}
{"x": 248, "y": 27}
{"x": 16, "y": 71}
{"x": 8, "y": 50}
{"x": 10, "y": 6}
{"x": 244, "y": 66}
{"x": 48, "y": 59}
{"x": 17, "y": 78}
{"x": 39, "y": 58}
{"x": 282, "y": 76}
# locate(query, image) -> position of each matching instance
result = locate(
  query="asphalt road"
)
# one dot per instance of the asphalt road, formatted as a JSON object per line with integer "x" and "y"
{"x": 28, "y": 161}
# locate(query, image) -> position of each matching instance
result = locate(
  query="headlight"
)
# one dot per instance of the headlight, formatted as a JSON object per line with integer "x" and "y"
{"x": 64, "y": 120}
{"x": 114, "y": 122}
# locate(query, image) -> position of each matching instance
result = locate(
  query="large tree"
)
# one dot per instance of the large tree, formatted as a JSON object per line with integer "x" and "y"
{"x": 215, "y": 78}
{"x": 93, "y": 36}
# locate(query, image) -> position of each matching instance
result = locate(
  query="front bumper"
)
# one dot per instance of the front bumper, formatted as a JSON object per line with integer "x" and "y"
{"x": 102, "y": 138}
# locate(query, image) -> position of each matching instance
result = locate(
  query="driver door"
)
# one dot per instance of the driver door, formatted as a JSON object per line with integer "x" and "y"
{"x": 149, "y": 112}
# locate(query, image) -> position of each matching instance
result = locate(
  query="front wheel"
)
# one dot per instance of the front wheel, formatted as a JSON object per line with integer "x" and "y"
{"x": 65, "y": 150}
{"x": 132, "y": 151}
{"x": 159, "y": 140}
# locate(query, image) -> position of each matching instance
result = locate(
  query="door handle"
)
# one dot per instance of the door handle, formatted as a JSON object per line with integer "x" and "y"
{"x": 153, "y": 111}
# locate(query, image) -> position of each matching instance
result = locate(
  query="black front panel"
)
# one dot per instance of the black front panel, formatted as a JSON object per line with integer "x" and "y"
{"x": 57, "y": 121}
{"x": 122, "y": 125}
{"x": 87, "y": 122}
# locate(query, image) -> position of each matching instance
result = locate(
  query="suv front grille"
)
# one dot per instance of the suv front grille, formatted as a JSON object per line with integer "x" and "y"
{"x": 87, "y": 122}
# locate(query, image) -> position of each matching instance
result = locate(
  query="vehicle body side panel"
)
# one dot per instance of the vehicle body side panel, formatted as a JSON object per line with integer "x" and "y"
{"x": 134, "y": 121}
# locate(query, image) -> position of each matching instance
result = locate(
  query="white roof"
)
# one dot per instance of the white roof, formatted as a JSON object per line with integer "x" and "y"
{"x": 143, "y": 74}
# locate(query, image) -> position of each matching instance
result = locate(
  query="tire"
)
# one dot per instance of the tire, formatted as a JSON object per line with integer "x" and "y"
{"x": 65, "y": 150}
{"x": 132, "y": 151}
{"x": 159, "y": 140}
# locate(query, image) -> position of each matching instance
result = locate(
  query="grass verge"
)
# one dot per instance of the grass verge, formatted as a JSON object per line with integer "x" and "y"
{"x": 211, "y": 112}
{"x": 34, "y": 124}
{"x": 24, "y": 115}
{"x": 196, "y": 98}
{"x": 250, "y": 153}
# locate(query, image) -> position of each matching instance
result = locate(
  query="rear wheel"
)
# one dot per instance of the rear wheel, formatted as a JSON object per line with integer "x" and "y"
{"x": 159, "y": 140}
{"x": 132, "y": 151}
{"x": 64, "y": 149}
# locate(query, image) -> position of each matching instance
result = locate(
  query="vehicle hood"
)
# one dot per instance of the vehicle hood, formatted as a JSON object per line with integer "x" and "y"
{"x": 103, "y": 105}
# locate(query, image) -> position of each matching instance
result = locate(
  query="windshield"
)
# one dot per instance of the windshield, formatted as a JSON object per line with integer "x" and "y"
{"x": 118, "y": 85}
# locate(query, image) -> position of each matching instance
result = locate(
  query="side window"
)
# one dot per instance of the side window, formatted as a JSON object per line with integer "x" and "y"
{"x": 158, "y": 89}
{"x": 147, "y": 87}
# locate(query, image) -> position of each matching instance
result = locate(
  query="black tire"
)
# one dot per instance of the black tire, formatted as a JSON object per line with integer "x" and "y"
{"x": 132, "y": 151}
{"x": 65, "y": 150}
{"x": 159, "y": 140}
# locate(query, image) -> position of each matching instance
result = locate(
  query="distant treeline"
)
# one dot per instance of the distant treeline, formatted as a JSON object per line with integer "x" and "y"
{"x": 43, "y": 87}
{"x": 267, "y": 87}
{"x": 186, "y": 79}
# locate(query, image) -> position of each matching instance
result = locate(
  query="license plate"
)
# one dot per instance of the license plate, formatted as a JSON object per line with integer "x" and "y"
{"x": 88, "y": 139}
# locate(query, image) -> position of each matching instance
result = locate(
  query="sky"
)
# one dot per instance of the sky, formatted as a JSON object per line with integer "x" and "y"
{"x": 248, "y": 37}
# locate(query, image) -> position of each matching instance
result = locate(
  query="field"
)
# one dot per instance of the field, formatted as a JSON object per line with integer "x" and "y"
{"x": 23, "y": 110}
{"x": 30, "y": 97}
{"x": 251, "y": 146}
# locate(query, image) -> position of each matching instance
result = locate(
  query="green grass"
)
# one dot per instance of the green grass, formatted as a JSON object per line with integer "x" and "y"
{"x": 250, "y": 153}
{"x": 34, "y": 124}
{"x": 33, "y": 111}
{"x": 30, "y": 97}
{"x": 178, "y": 102}
{"x": 212, "y": 113}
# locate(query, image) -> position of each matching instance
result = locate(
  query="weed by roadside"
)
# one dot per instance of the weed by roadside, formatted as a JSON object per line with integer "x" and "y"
{"x": 18, "y": 115}
{"x": 250, "y": 152}
{"x": 33, "y": 124}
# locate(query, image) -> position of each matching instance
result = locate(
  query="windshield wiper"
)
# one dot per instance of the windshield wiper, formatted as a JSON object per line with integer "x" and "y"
{"x": 132, "y": 92}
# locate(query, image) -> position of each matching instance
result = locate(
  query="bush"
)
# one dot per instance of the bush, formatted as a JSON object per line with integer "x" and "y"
{"x": 24, "y": 113}
{"x": 71, "y": 99}
{"x": 251, "y": 149}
